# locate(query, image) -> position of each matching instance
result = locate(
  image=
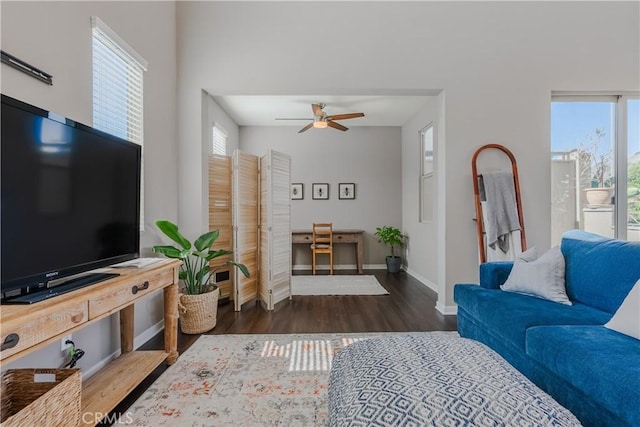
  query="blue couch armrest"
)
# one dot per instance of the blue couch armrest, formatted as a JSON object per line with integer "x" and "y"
{"x": 494, "y": 274}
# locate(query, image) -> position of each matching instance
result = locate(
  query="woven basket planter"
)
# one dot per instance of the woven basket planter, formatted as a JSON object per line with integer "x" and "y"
{"x": 28, "y": 400}
{"x": 198, "y": 312}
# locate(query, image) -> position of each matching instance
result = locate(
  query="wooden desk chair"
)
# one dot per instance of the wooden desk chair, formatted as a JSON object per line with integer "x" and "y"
{"x": 322, "y": 239}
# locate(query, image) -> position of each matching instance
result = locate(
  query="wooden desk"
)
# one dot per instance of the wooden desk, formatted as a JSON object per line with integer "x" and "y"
{"x": 339, "y": 236}
{"x": 37, "y": 325}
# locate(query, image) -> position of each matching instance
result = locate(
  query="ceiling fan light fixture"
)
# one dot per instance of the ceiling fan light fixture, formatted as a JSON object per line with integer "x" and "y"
{"x": 322, "y": 121}
{"x": 319, "y": 123}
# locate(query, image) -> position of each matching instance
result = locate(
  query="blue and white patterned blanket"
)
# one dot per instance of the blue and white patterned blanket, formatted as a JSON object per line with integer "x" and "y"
{"x": 436, "y": 379}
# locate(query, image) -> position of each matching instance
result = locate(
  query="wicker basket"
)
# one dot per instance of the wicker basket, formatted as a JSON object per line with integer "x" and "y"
{"x": 28, "y": 399}
{"x": 198, "y": 313}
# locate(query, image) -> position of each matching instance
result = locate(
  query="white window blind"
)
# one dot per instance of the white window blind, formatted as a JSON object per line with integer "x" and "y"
{"x": 117, "y": 85}
{"x": 118, "y": 89}
{"x": 219, "y": 140}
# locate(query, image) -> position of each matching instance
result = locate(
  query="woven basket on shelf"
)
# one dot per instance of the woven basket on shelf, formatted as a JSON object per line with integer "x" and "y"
{"x": 41, "y": 397}
{"x": 198, "y": 312}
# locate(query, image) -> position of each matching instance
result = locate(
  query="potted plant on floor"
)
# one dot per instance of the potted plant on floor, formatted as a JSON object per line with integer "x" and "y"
{"x": 392, "y": 237}
{"x": 595, "y": 169}
{"x": 198, "y": 304}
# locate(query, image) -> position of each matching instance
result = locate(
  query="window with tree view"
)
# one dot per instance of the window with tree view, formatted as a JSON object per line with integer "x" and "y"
{"x": 595, "y": 166}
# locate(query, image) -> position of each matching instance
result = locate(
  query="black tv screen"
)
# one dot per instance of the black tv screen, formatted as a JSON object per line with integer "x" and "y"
{"x": 70, "y": 198}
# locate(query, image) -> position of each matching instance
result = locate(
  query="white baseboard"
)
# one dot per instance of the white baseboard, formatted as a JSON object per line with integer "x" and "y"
{"x": 447, "y": 310}
{"x": 149, "y": 333}
{"x": 137, "y": 342}
{"x": 428, "y": 283}
{"x": 340, "y": 267}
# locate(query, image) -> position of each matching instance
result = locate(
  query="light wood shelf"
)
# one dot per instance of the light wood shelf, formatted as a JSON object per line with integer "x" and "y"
{"x": 103, "y": 391}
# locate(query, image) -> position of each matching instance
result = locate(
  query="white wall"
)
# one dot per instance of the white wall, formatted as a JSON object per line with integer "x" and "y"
{"x": 56, "y": 37}
{"x": 421, "y": 255}
{"x": 497, "y": 62}
{"x": 370, "y": 157}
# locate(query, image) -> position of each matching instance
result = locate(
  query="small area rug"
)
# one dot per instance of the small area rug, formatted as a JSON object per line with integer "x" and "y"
{"x": 244, "y": 380}
{"x": 336, "y": 285}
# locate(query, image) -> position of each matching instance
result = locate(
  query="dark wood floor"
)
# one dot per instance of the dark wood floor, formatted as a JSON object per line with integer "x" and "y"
{"x": 410, "y": 306}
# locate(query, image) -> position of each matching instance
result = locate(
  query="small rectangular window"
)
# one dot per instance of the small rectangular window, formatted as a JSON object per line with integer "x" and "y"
{"x": 117, "y": 85}
{"x": 427, "y": 150}
{"x": 219, "y": 140}
{"x": 426, "y": 174}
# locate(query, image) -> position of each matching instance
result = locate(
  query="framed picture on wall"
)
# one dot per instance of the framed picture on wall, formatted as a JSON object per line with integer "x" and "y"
{"x": 346, "y": 191}
{"x": 320, "y": 191}
{"x": 297, "y": 191}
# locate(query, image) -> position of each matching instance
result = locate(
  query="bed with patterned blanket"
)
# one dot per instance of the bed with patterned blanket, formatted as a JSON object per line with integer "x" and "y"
{"x": 435, "y": 379}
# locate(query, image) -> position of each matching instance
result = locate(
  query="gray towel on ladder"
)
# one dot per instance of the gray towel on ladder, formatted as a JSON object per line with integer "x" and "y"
{"x": 501, "y": 213}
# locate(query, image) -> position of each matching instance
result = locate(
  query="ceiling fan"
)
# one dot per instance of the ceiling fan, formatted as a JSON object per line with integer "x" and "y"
{"x": 321, "y": 120}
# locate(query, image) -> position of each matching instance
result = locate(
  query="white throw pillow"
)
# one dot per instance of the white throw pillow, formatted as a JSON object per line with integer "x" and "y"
{"x": 542, "y": 278}
{"x": 529, "y": 255}
{"x": 627, "y": 317}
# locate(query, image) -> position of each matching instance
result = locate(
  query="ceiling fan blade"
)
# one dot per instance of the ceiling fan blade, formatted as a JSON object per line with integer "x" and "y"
{"x": 345, "y": 116}
{"x": 307, "y": 127}
{"x": 317, "y": 110}
{"x": 336, "y": 125}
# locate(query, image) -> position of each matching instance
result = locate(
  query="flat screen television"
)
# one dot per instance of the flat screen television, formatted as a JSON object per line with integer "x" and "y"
{"x": 70, "y": 202}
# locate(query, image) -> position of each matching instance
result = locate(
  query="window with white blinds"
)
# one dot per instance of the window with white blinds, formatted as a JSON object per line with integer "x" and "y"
{"x": 117, "y": 85}
{"x": 117, "y": 90}
{"x": 219, "y": 140}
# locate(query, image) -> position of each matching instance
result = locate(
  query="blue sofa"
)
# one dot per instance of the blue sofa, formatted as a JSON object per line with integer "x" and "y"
{"x": 565, "y": 350}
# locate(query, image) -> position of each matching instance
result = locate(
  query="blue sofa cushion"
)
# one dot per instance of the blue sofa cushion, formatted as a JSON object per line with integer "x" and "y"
{"x": 597, "y": 361}
{"x": 599, "y": 271}
{"x": 508, "y": 315}
{"x": 494, "y": 274}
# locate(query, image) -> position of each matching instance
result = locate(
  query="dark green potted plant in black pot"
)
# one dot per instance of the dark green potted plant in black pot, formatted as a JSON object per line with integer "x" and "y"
{"x": 392, "y": 237}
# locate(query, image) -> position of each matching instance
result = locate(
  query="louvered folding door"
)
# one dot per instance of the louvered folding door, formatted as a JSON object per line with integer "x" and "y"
{"x": 245, "y": 220}
{"x": 275, "y": 235}
{"x": 220, "y": 218}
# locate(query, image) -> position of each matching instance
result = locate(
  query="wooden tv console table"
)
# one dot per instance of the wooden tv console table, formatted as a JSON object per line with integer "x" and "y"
{"x": 37, "y": 325}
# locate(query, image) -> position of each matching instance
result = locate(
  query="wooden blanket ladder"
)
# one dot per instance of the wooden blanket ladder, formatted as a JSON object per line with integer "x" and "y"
{"x": 476, "y": 195}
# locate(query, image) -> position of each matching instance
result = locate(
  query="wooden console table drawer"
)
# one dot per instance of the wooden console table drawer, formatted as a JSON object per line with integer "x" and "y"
{"x": 42, "y": 326}
{"x": 301, "y": 238}
{"x": 122, "y": 294}
{"x": 344, "y": 238}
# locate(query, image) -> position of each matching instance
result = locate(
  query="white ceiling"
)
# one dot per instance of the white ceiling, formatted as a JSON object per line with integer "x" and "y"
{"x": 379, "y": 110}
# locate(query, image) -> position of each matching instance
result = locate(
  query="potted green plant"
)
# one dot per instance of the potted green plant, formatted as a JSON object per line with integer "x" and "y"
{"x": 199, "y": 303}
{"x": 595, "y": 169}
{"x": 633, "y": 194}
{"x": 392, "y": 237}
